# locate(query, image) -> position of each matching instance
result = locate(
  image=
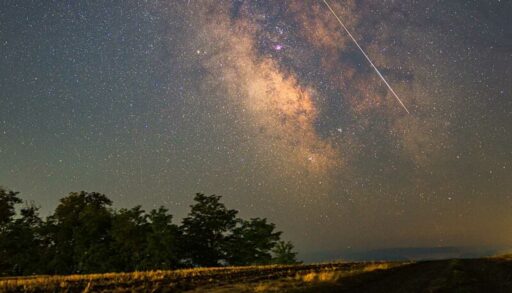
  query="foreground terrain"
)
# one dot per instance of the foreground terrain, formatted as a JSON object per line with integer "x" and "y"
{"x": 457, "y": 275}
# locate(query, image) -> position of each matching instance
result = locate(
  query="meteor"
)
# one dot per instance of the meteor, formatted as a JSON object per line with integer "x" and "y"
{"x": 367, "y": 58}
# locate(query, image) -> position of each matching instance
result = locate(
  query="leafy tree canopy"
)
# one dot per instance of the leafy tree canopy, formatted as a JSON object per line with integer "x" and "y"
{"x": 86, "y": 235}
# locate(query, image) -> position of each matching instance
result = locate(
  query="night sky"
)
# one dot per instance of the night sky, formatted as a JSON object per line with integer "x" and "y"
{"x": 271, "y": 105}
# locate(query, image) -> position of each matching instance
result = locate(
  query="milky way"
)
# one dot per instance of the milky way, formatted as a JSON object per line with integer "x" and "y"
{"x": 270, "y": 104}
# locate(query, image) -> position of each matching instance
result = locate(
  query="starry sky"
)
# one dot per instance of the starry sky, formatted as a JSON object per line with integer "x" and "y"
{"x": 271, "y": 105}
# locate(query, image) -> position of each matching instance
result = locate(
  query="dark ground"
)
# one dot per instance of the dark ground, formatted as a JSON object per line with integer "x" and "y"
{"x": 468, "y": 275}
{"x": 453, "y": 275}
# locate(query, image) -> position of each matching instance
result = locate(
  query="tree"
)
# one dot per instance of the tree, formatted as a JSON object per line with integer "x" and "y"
{"x": 251, "y": 242}
{"x": 162, "y": 251}
{"x": 23, "y": 243}
{"x": 129, "y": 236}
{"x": 80, "y": 233}
{"x": 20, "y": 245}
{"x": 8, "y": 199}
{"x": 283, "y": 253}
{"x": 85, "y": 235}
{"x": 205, "y": 230}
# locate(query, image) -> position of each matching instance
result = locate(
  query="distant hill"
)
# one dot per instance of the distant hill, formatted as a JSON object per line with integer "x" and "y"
{"x": 404, "y": 253}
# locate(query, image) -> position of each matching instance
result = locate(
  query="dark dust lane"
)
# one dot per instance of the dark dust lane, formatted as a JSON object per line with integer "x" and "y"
{"x": 479, "y": 275}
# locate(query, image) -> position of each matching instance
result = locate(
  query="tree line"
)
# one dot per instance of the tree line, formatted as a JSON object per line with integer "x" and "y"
{"x": 86, "y": 235}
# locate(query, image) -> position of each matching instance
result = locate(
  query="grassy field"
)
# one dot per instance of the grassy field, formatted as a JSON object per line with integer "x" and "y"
{"x": 469, "y": 275}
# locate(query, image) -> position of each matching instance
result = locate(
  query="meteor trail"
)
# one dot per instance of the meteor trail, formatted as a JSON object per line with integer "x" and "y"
{"x": 367, "y": 58}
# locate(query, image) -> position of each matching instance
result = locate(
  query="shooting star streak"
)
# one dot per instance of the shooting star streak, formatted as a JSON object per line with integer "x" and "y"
{"x": 367, "y": 58}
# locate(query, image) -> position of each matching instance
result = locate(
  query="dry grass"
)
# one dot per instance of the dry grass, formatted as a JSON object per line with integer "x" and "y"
{"x": 336, "y": 275}
{"x": 222, "y": 279}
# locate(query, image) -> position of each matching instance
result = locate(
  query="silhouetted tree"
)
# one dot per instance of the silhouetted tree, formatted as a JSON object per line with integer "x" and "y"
{"x": 8, "y": 199}
{"x": 20, "y": 243}
{"x": 162, "y": 251}
{"x": 129, "y": 232}
{"x": 25, "y": 241}
{"x": 205, "y": 230}
{"x": 85, "y": 235}
{"x": 251, "y": 242}
{"x": 284, "y": 254}
{"x": 80, "y": 230}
